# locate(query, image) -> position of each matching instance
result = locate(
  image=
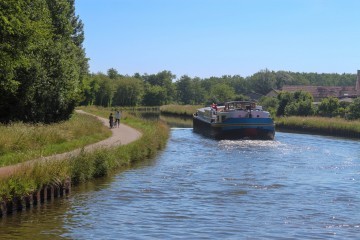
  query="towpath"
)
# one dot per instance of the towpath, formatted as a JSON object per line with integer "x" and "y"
{"x": 120, "y": 136}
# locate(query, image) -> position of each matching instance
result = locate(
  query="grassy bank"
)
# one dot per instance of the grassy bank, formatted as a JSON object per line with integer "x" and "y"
{"x": 20, "y": 142}
{"x": 320, "y": 125}
{"x": 180, "y": 110}
{"x": 89, "y": 165}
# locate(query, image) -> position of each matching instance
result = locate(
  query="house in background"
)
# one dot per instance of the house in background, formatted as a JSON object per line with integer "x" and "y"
{"x": 343, "y": 93}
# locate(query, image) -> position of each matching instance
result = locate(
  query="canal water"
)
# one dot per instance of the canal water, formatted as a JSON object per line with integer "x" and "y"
{"x": 298, "y": 186}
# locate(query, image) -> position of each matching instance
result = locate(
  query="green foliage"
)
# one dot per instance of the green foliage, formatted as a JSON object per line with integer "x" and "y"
{"x": 112, "y": 73}
{"x": 104, "y": 90}
{"x": 299, "y": 108}
{"x": 221, "y": 93}
{"x": 42, "y": 60}
{"x": 269, "y": 104}
{"x": 129, "y": 92}
{"x": 284, "y": 98}
{"x": 115, "y": 89}
{"x": 154, "y": 95}
{"x": 263, "y": 81}
{"x": 298, "y": 103}
{"x": 161, "y": 86}
{"x": 329, "y": 107}
{"x": 354, "y": 110}
{"x": 185, "y": 90}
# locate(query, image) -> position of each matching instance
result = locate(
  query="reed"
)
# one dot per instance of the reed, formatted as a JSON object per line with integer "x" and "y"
{"x": 331, "y": 126}
{"x": 20, "y": 142}
{"x": 88, "y": 165}
{"x": 181, "y": 110}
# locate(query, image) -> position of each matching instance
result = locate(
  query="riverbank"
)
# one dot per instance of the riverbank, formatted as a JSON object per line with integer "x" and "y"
{"x": 319, "y": 125}
{"x": 29, "y": 178}
{"x": 312, "y": 125}
{"x": 179, "y": 110}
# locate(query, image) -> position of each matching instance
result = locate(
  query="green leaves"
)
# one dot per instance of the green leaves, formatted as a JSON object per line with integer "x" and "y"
{"x": 41, "y": 58}
{"x": 354, "y": 109}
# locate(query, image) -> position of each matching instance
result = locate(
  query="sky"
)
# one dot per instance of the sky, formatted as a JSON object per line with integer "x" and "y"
{"x": 204, "y": 38}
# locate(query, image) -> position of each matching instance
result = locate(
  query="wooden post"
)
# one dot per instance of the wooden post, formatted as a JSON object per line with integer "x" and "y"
{"x": 18, "y": 204}
{"x": 51, "y": 193}
{"x": 3, "y": 208}
{"x": 9, "y": 207}
{"x": 45, "y": 193}
{"x": 68, "y": 186}
{"x": 29, "y": 201}
{"x": 37, "y": 197}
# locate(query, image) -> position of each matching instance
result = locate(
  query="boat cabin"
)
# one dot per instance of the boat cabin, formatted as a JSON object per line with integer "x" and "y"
{"x": 241, "y": 105}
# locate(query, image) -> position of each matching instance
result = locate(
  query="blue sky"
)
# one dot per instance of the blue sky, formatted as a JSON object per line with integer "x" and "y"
{"x": 206, "y": 38}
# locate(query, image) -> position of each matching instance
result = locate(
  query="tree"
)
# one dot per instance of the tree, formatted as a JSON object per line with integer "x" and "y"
{"x": 154, "y": 95}
{"x": 300, "y": 104}
{"x": 90, "y": 87}
{"x": 299, "y": 108}
{"x": 329, "y": 107}
{"x": 284, "y": 99}
{"x": 129, "y": 92}
{"x": 112, "y": 73}
{"x": 199, "y": 91}
{"x": 221, "y": 93}
{"x": 185, "y": 90}
{"x": 354, "y": 109}
{"x": 164, "y": 80}
{"x": 269, "y": 104}
{"x": 105, "y": 90}
{"x": 262, "y": 82}
{"x": 42, "y": 60}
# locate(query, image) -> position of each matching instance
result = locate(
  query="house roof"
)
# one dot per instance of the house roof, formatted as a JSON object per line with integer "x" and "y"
{"x": 324, "y": 91}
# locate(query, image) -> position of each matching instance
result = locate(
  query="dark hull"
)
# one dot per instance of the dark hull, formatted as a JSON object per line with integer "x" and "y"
{"x": 262, "y": 129}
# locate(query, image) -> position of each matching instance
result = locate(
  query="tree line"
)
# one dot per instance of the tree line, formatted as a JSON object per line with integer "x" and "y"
{"x": 114, "y": 89}
{"x": 301, "y": 103}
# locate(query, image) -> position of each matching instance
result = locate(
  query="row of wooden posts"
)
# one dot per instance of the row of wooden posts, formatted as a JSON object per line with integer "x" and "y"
{"x": 47, "y": 193}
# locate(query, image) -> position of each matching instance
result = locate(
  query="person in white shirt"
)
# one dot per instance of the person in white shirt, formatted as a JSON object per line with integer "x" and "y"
{"x": 117, "y": 118}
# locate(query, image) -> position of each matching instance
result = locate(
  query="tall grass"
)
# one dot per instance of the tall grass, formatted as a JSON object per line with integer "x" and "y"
{"x": 182, "y": 110}
{"x": 88, "y": 165}
{"x": 20, "y": 142}
{"x": 332, "y": 126}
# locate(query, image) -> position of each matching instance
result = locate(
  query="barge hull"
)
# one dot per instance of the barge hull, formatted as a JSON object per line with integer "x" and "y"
{"x": 246, "y": 129}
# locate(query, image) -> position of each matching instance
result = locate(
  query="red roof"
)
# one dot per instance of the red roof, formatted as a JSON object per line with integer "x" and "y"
{"x": 324, "y": 91}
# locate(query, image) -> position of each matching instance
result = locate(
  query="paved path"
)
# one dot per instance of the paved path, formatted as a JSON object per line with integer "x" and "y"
{"x": 120, "y": 136}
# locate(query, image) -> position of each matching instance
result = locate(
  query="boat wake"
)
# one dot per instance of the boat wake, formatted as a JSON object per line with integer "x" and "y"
{"x": 236, "y": 144}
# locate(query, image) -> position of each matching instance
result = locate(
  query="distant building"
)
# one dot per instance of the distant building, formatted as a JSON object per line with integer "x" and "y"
{"x": 320, "y": 92}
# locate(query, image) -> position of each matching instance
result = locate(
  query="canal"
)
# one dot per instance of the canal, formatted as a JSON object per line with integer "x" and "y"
{"x": 298, "y": 186}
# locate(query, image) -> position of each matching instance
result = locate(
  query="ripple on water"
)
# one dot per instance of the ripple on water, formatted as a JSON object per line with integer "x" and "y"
{"x": 295, "y": 187}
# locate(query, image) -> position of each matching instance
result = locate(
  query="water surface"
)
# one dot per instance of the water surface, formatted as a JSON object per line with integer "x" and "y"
{"x": 298, "y": 186}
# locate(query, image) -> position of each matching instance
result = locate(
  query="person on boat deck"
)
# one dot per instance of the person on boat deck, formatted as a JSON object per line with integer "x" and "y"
{"x": 214, "y": 106}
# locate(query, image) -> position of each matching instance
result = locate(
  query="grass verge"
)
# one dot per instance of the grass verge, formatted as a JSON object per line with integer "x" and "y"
{"x": 20, "y": 142}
